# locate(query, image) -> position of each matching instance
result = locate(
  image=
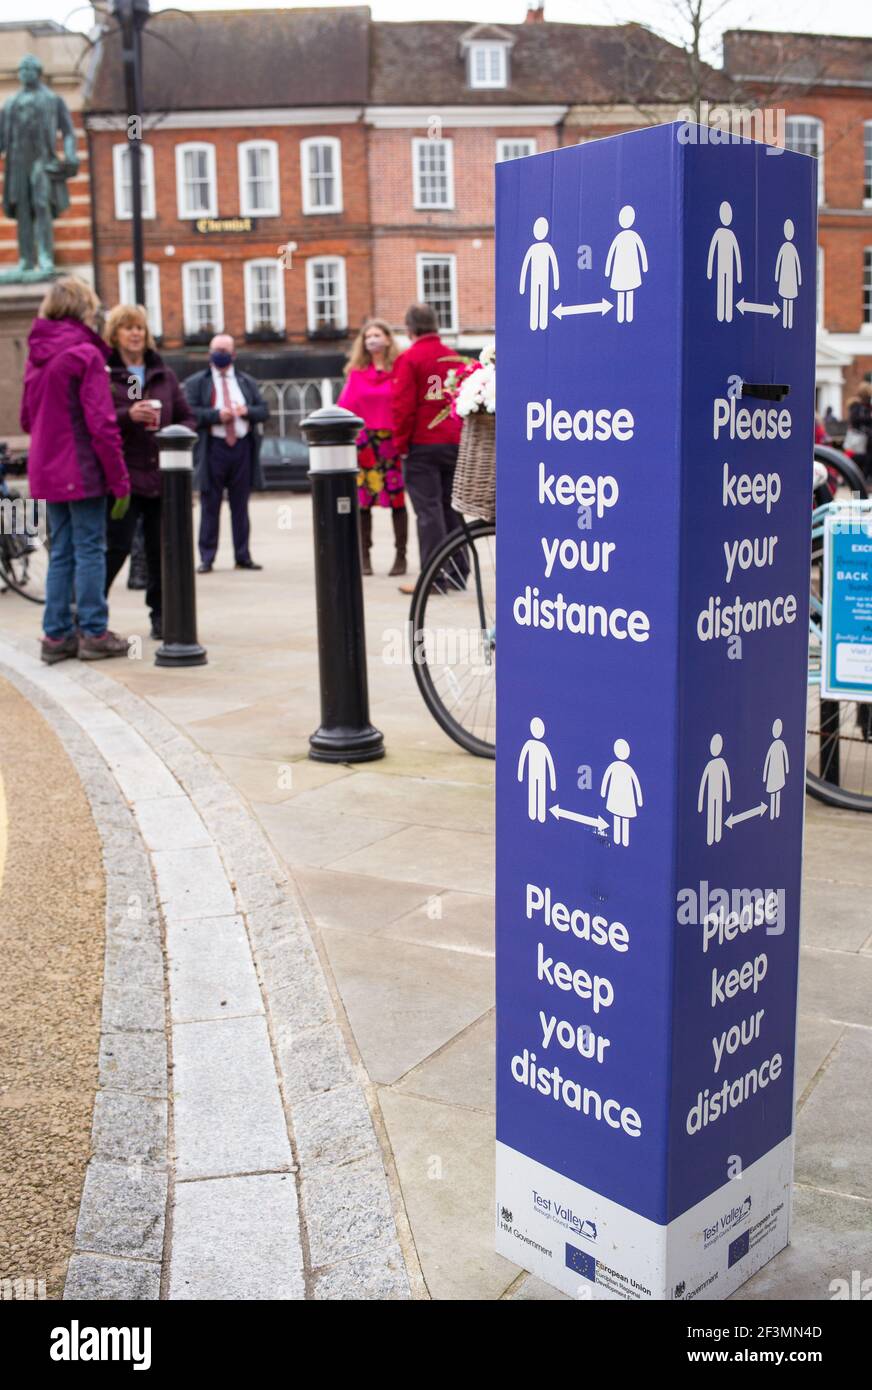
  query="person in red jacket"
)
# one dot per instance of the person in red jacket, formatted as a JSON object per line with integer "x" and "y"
{"x": 75, "y": 459}
{"x": 430, "y": 451}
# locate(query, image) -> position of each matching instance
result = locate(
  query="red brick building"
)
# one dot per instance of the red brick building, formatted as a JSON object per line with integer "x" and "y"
{"x": 367, "y": 148}
{"x": 824, "y": 87}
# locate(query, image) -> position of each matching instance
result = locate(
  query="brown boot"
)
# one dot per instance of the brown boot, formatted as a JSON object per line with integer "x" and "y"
{"x": 400, "y": 518}
{"x": 98, "y": 648}
{"x": 365, "y": 539}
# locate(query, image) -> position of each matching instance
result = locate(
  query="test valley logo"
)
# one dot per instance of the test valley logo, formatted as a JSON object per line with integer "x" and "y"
{"x": 727, "y": 1222}
{"x": 564, "y": 1216}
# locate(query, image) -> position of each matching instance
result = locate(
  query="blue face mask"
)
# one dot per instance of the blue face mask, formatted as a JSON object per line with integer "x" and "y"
{"x": 221, "y": 359}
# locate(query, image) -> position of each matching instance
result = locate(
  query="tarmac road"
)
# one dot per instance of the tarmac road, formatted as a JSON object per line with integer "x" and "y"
{"x": 52, "y": 910}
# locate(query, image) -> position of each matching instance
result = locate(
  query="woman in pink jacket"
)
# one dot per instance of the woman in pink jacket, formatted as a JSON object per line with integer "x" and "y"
{"x": 74, "y": 460}
{"x": 367, "y": 392}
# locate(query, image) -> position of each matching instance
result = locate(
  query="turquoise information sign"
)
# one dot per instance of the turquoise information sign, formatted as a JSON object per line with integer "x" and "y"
{"x": 846, "y": 672}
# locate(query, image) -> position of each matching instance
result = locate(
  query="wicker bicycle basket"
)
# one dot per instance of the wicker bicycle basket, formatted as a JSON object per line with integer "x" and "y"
{"x": 475, "y": 478}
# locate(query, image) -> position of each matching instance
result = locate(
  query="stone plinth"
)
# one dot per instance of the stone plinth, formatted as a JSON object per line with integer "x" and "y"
{"x": 18, "y": 306}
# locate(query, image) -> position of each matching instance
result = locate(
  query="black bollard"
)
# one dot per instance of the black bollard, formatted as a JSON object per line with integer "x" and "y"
{"x": 179, "y": 646}
{"x": 345, "y": 734}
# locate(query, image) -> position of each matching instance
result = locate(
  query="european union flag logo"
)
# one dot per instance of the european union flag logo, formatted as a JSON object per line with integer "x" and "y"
{"x": 738, "y": 1248}
{"x": 580, "y": 1262}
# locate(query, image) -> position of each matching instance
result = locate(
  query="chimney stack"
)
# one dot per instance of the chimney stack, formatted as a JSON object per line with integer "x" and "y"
{"x": 535, "y": 12}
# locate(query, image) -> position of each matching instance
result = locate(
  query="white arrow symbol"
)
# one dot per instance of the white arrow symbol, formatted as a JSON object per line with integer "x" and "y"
{"x": 559, "y": 814}
{"x": 747, "y": 815}
{"x": 602, "y": 306}
{"x": 745, "y": 306}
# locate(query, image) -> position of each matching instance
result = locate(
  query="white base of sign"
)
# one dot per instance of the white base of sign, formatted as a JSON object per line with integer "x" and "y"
{"x": 589, "y": 1247}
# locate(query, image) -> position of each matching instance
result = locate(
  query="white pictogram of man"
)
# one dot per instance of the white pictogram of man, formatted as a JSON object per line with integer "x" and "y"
{"x": 714, "y": 790}
{"x": 775, "y": 769}
{"x": 540, "y": 260}
{"x": 725, "y": 260}
{"x": 537, "y": 764}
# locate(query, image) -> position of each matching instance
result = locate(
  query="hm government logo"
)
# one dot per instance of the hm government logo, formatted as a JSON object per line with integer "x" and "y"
{"x": 680, "y": 1290}
{"x": 506, "y": 1216}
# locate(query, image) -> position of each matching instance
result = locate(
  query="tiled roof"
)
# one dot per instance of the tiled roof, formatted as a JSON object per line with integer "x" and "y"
{"x": 226, "y": 59}
{"x": 809, "y": 59}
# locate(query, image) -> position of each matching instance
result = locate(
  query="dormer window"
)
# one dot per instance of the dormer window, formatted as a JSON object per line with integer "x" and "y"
{"x": 488, "y": 65}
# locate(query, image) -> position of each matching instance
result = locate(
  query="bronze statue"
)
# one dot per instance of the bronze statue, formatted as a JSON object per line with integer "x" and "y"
{"x": 35, "y": 186}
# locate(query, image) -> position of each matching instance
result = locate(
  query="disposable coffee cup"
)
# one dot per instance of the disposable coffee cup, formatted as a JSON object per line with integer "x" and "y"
{"x": 154, "y": 406}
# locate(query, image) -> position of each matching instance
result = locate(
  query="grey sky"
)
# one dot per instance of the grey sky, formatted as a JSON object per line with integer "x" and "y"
{"x": 836, "y": 17}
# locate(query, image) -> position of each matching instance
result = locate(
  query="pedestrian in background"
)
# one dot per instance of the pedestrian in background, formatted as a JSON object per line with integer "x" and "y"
{"x": 859, "y": 430}
{"x": 368, "y": 391}
{"x": 147, "y": 396}
{"x": 429, "y": 451}
{"x": 227, "y": 407}
{"x": 75, "y": 459}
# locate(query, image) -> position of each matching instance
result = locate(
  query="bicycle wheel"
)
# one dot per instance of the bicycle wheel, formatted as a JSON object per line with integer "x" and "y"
{"x": 24, "y": 554}
{"x": 453, "y": 629}
{"x": 838, "y": 767}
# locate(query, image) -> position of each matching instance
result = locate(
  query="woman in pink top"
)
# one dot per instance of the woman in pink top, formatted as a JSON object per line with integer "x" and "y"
{"x": 367, "y": 392}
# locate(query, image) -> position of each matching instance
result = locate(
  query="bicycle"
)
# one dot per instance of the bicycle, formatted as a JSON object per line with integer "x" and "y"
{"x": 454, "y": 657}
{"x": 838, "y": 767}
{"x": 24, "y": 541}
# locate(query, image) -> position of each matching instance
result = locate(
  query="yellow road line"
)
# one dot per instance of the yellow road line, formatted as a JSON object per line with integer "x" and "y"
{"x": 4, "y": 822}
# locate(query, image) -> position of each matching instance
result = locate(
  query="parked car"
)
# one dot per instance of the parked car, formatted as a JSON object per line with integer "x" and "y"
{"x": 285, "y": 464}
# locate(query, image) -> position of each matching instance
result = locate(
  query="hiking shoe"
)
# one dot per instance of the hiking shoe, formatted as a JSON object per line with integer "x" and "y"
{"x": 59, "y": 648}
{"x": 97, "y": 648}
{"x": 156, "y": 633}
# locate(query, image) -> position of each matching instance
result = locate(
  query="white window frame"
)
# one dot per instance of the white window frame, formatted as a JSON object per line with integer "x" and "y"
{"x": 867, "y": 163}
{"x": 489, "y": 49}
{"x": 273, "y": 208}
{"x": 419, "y": 142}
{"x": 153, "y": 309}
{"x": 247, "y": 270}
{"x": 187, "y": 267}
{"x": 505, "y": 142}
{"x": 311, "y": 263}
{"x": 186, "y": 214}
{"x": 867, "y": 274}
{"x": 422, "y": 259}
{"x": 812, "y": 120}
{"x": 311, "y": 209}
{"x": 118, "y": 153}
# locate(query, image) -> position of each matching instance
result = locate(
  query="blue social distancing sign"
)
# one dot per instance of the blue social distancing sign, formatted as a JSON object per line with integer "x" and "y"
{"x": 655, "y": 349}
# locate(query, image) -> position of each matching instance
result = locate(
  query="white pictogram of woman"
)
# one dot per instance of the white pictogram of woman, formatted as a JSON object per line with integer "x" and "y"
{"x": 788, "y": 274}
{"x": 775, "y": 769}
{"x": 622, "y": 791}
{"x": 626, "y": 261}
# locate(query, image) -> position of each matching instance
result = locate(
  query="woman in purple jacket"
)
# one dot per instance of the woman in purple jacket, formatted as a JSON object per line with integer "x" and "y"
{"x": 147, "y": 397}
{"x": 74, "y": 460}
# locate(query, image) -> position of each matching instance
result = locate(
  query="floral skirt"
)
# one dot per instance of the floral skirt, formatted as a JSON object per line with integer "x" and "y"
{"x": 380, "y": 480}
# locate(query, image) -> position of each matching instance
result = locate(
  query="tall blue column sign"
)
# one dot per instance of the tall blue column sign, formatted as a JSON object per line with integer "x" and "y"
{"x": 655, "y": 297}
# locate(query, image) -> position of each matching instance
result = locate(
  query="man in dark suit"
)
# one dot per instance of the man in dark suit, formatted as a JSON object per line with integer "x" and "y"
{"x": 227, "y": 407}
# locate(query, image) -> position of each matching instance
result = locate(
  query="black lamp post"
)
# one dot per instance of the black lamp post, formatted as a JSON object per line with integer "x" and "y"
{"x": 132, "y": 17}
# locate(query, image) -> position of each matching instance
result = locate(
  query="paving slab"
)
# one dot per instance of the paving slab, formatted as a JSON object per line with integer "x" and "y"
{"x": 836, "y": 985}
{"x": 107, "y": 1280}
{"x": 359, "y": 902}
{"x": 318, "y": 837}
{"x": 444, "y": 1157}
{"x": 815, "y": 1040}
{"x": 192, "y": 883}
{"x": 463, "y": 1071}
{"x": 237, "y": 1239}
{"x": 170, "y": 822}
{"x": 211, "y": 972}
{"x": 837, "y": 916}
{"x": 452, "y": 858}
{"x": 226, "y": 1070}
{"x": 404, "y": 1002}
{"x": 451, "y": 921}
{"x": 372, "y": 796}
{"x": 835, "y": 1122}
